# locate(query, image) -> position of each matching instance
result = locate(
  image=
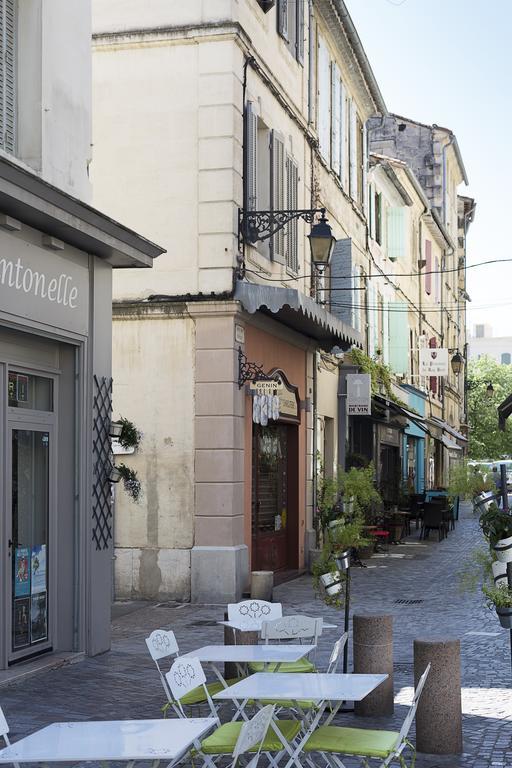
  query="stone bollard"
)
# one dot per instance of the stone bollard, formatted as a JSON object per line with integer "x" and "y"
{"x": 373, "y": 654}
{"x": 236, "y": 637}
{"x": 439, "y": 714}
{"x": 262, "y": 585}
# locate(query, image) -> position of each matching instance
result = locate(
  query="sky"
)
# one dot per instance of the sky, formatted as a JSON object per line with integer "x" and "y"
{"x": 450, "y": 62}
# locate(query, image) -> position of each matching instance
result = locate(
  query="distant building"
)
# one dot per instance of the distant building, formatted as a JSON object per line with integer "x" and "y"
{"x": 483, "y": 344}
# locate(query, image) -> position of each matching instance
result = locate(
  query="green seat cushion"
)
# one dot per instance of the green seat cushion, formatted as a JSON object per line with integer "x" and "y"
{"x": 223, "y": 740}
{"x": 302, "y": 665}
{"x": 197, "y": 695}
{"x": 352, "y": 741}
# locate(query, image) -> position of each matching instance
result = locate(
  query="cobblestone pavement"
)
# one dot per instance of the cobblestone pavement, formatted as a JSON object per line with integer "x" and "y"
{"x": 123, "y": 683}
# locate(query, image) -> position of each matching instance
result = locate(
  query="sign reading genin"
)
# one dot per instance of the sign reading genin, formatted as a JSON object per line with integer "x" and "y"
{"x": 56, "y": 289}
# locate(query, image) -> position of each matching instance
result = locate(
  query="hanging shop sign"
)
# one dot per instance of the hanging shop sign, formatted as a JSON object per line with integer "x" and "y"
{"x": 359, "y": 394}
{"x": 274, "y": 399}
{"x": 434, "y": 362}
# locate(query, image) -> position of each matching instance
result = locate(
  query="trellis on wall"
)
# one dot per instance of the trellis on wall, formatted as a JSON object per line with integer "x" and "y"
{"x": 102, "y": 463}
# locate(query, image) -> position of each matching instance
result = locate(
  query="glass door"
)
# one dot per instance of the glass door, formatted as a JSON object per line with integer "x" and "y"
{"x": 29, "y": 537}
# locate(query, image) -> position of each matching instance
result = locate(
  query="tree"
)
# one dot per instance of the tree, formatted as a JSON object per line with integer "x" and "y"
{"x": 486, "y": 441}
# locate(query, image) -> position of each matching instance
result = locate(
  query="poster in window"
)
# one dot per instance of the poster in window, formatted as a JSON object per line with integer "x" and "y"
{"x": 21, "y": 627}
{"x": 38, "y": 569}
{"x": 22, "y": 572}
{"x": 39, "y": 618}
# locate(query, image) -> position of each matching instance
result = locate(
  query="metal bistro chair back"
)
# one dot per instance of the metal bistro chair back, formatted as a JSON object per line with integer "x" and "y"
{"x": 336, "y": 653}
{"x": 254, "y": 611}
{"x": 252, "y": 734}
{"x": 4, "y": 732}
{"x": 162, "y": 644}
{"x": 406, "y": 726}
{"x": 184, "y": 676}
{"x": 292, "y": 628}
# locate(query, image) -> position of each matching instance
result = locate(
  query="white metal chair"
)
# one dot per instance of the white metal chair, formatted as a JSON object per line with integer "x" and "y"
{"x": 186, "y": 675}
{"x": 294, "y": 629}
{"x": 331, "y": 741}
{"x": 4, "y": 732}
{"x": 248, "y": 612}
{"x": 162, "y": 644}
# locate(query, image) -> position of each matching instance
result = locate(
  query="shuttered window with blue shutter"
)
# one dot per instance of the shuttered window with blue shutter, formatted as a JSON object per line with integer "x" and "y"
{"x": 341, "y": 270}
{"x": 398, "y": 337}
{"x": 8, "y": 75}
{"x": 396, "y": 233}
{"x": 324, "y": 101}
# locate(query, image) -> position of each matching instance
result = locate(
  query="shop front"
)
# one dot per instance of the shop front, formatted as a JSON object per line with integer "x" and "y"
{"x": 55, "y": 352}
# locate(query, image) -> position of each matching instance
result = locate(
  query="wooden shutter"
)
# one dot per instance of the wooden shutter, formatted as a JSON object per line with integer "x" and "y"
{"x": 352, "y": 148}
{"x": 300, "y": 31}
{"x": 278, "y": 194}
{"x": 378, "y": 217}
{"x": 428, "y": 267}
{"x": 396, "y": 233}
{"x": 251, "y": 158}
{"x": 324, "y": 101}
{"x": 433, "y": 379}
{"x": 398, "y": 337}
{"x": 8, "y": 75}
{"x": 292, "y": 200}
{"x": 341, "y": 280}
{"x": 364, "y": 191}
{"x": 336, "y": 119}
{"x": 282, "y": 18}
{"x": 343, "y": 137}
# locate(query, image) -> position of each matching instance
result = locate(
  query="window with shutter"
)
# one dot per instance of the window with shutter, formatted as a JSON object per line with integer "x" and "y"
{"x": 396, "y": 233}
{"x": 378, "y": 218}
{"x": 8, "y": 75}
{"x": 428, "y": 267}
{"x": 398, "y": 337}
{"x": 278, "y": 193}
{"x": 336, "y": 119}
{"x": 359, "y": 161}
{"x": 324, "y": 101}
{"x": 352, "y": 149}
{"x": 292, "y": 228}
{"x": 364, "y": 176}
{"x": 251, "y": 158}
{"x": 282, "y": 18}
{"x": 343, "y": 137}
{"x": 300, "y": 31}
{"x": 341, "y": 281}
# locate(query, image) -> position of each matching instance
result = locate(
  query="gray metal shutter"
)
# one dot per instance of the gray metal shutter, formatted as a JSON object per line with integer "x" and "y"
{"x": 292, "y": 229}
{"x": 251, "y": 159}
{"x": 341, "y": 278}
{"x": 8, "y": 75}
{"x": 278, "y": 193}
{"x": 300, "y": 31}
{"x": 282, "y": 18}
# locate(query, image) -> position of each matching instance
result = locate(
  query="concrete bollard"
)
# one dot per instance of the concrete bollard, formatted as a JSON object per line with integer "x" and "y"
{"x": 373, "y": 654}
{"x": 262, "y": 585}
{"x": 439, "y": 714}
{"x": 236, "y": 637}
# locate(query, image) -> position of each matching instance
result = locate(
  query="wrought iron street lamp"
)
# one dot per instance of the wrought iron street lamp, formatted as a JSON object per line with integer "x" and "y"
{"x": 256, "y": 226}
{"x": 457, "y": 363}
{"x": 489, "y": 390}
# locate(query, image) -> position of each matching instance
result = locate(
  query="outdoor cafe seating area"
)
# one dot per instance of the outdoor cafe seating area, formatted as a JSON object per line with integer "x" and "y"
{"x": 264, "y": 703}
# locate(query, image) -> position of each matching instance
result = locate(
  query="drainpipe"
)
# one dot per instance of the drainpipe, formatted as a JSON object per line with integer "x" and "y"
{"x": 315, "y": 443}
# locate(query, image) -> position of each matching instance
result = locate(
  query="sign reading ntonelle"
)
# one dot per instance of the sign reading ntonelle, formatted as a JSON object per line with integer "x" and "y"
{"x": 359, "y": 394}
{"x": 42, "y": 286}
{"x": 434, "y": 362}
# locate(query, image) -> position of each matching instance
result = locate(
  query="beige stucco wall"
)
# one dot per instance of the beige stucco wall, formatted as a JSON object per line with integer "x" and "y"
{"x": 153, "y": 369}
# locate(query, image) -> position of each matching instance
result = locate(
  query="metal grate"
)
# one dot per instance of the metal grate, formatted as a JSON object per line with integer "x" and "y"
{"x": 408, "y": 602}
{"x": 101, "y": 452}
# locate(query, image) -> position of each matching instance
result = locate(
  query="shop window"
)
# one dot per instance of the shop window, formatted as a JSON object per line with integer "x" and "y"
{"x": 30, "y": 392}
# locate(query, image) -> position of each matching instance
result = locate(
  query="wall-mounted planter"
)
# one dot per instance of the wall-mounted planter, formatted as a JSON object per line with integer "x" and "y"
{"x": 499, "y": 573}
{"x": 505, "y": 617}
{"x": 503, "y": 549}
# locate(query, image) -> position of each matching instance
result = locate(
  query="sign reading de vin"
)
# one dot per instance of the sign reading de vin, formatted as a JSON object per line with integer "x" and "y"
{"x": 359, "y": 397}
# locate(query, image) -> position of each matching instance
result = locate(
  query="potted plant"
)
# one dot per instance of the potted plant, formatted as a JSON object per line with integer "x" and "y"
{"x": 496, "y": 525}
{"x": 329, "y": 569}
{"x": 131, "y": 482}
{"x": 130, "y": 436}
{"x": 500, "y": 598}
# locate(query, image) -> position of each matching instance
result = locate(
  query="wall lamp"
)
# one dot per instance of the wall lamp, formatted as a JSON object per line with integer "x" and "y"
{"x": 256, "y": 226}
{"x": 457, "y": 363}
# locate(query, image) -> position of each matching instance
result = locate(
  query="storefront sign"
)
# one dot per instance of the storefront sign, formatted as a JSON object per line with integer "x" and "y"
{"x": 359, "y": 397}
{"x": 389, "y": 435}
{"x": 276, "y": 397}
{"x": 434, "y": 362}
{"x": 43, "y": 287}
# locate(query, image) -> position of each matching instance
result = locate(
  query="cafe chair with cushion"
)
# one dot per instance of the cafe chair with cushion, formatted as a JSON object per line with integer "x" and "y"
{"x": 432, "y": 520}
{"x": 186, "y": 675}
{"x": 4, "y": 733}
{"x": 332, "y": 741}
{"x": 293, "y": 629}
{"x": 162, "y": 644}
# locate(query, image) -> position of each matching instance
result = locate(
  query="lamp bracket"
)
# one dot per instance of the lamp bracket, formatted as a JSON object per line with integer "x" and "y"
{"x": 254, "y": 226}
{"x": 248, "y": 371}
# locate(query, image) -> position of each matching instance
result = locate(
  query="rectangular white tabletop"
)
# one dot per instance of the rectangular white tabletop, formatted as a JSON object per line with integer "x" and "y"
{"x": 311, "y": 686}
{"x": 247, "y": 653}
{"x": 108, "y": 740}
{"x": 254, "y": 625}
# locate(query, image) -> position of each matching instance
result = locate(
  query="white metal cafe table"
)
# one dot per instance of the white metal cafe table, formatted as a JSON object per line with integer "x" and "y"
{"x": 245, "y": 654}
{"x": 105, "y": 741}
{"x": 254, "y": 625}
{"x": 322, "y": 688}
